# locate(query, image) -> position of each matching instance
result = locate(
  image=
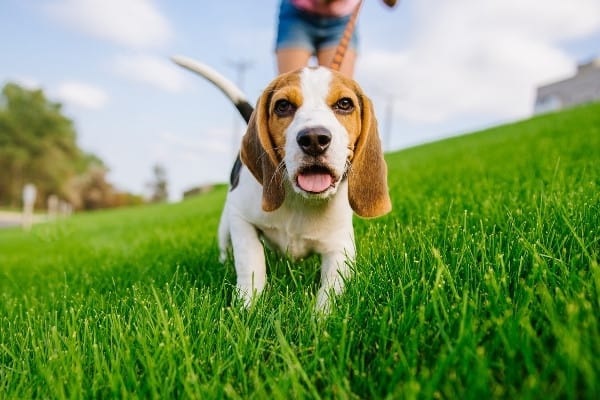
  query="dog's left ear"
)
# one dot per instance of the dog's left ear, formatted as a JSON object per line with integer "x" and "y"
{"x": 259, "y": 155}
{"x": 367, "y": 180}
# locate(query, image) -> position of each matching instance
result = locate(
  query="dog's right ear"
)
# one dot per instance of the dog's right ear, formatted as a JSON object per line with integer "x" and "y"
{"x": 259, "y": 155}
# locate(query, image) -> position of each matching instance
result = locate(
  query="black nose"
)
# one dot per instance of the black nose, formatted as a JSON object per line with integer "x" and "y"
{"x": 314, "y": 141}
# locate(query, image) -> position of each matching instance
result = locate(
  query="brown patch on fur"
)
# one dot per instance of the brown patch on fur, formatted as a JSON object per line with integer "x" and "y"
{"x": 263, "y": 145}
{"x": 367, "y": 179}
{"x": 347, "y": 88}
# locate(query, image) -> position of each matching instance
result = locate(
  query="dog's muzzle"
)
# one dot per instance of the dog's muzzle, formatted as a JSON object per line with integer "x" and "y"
{"x": 314, "y": 177}
{"x": 314, "y": 141}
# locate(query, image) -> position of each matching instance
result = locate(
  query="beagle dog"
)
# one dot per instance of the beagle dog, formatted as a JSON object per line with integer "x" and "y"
{"x": 310, "y": 157}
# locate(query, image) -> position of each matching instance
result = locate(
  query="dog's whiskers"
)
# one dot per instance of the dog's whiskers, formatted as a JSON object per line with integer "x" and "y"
{"x": 279, "y": 169}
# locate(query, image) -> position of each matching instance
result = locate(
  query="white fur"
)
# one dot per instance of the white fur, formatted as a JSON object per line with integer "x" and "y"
{"x": 304, "y": 224}
{"x": 316, "y": 112}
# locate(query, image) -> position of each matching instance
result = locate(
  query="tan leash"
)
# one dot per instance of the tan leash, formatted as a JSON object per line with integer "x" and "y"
{"x": 342, "y": 46}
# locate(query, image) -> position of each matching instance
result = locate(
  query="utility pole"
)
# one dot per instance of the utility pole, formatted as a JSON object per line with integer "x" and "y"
{"x": 240, "y": 67}
{"x": 389, "y": 118}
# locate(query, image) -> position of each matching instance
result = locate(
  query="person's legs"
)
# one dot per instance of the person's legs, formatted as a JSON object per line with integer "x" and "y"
{"x": 331, "y": 30}
{"x": 289, "y": 59}
{"x": 301, "y": 35}
{"x": 294, "y": 42}
{"x": 325, "y": 57}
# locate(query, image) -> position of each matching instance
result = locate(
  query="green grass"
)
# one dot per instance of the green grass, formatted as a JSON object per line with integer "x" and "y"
{"x": 484, "y": 282}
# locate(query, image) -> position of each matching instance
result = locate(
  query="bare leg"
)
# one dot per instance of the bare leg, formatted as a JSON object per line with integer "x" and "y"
{"x": 347, "y": 68}
{"x": 292, "y": 59}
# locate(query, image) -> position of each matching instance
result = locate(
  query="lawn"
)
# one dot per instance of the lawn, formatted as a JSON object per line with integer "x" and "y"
{"x": 484, "y": 282}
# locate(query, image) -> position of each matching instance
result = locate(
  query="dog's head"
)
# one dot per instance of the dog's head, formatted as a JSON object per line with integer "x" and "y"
{"x": 314, "y": 128}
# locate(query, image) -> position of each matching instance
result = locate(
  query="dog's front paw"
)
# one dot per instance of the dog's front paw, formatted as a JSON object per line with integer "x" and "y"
{"x": 247, "y": 295}
{"x": 324, "y": 301}
{"x": 222, "y": 256}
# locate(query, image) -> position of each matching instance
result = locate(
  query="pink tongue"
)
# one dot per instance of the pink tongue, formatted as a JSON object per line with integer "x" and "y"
{"x": 315, "y": 183}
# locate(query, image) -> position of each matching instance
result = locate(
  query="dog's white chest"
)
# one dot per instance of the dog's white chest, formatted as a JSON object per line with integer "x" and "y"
{"x": 296, "y": 239}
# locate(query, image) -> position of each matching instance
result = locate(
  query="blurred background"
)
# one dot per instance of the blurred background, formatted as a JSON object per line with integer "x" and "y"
{"x": 93, "y": 111}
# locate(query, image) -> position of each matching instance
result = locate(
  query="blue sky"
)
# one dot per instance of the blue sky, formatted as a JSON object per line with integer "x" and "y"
{"x": 446, "y": 67}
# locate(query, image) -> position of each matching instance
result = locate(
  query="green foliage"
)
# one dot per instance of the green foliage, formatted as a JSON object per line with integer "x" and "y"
{"x": 483, "y": 283}
{"x": 37, "y": 144}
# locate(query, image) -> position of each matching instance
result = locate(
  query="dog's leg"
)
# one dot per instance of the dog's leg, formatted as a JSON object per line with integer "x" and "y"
{"x": 224, "y": 236}
{"x": 249, "y": 260}
{"x": 335, "y": 269}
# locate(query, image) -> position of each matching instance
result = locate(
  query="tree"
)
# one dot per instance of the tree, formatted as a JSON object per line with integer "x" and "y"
{"x": 90, "y": 190}
{"x": 37, "y": 144}
{"x": 159, "y": 185}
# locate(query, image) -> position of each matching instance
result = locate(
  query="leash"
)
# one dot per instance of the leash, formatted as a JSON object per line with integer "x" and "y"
{"x": 342, "y": 46}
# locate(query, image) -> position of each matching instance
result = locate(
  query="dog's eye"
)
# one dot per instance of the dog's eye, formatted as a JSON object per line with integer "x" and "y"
{"x": 344, "y": 106}
{"x": 284, "y": 108}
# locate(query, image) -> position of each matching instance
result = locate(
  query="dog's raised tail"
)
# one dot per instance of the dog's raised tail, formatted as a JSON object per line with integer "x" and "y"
{"x": 230, "y": 90}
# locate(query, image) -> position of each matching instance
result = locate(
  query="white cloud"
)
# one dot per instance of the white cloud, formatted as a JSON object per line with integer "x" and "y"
{"x": 479, "y": 56}
{"x": 132, "y": 23}
{"x": 156, "y": 71}
{"x": 82, "y": 95}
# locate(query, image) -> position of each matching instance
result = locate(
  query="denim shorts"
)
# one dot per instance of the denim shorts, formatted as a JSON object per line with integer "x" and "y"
{"x": 313, "y": 32}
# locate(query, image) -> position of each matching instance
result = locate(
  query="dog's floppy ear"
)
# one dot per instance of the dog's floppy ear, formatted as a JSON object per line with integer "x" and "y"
{"x": 259, "y": 155}
{"x": 367, "y": 180}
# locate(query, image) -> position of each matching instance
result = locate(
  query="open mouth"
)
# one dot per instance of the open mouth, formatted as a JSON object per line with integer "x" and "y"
{"x": 315, "y": 179}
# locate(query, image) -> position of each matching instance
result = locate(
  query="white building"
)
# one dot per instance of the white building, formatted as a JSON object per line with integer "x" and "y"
{"x": 584, "y": 87}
